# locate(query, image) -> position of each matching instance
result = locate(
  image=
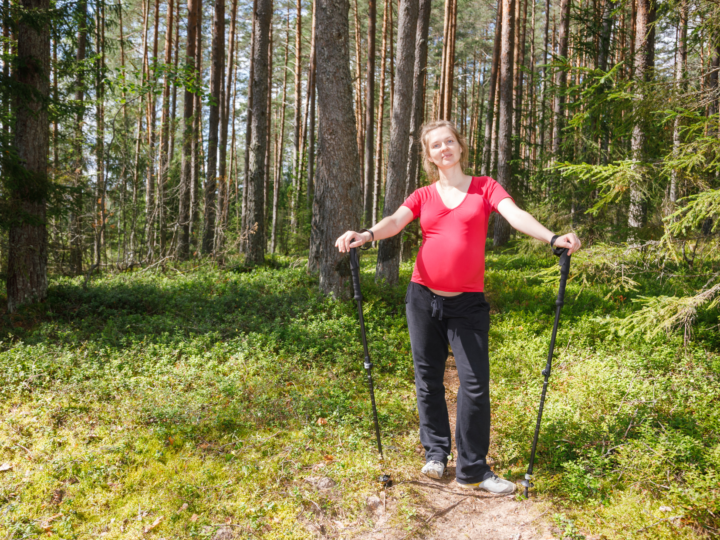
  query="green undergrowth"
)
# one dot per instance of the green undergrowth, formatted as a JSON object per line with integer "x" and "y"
{"x": 194, "y": 400}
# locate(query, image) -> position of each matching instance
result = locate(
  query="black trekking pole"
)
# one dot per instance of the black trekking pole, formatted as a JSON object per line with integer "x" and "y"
{"x": 355, "y": 269}
{"x": 564, "y": 271}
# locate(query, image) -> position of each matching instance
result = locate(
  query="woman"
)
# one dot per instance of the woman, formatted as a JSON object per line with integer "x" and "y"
{"x": 445, "y": 303}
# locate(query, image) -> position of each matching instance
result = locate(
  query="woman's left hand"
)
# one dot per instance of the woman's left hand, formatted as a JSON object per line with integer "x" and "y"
{"x": 569, "y": 241}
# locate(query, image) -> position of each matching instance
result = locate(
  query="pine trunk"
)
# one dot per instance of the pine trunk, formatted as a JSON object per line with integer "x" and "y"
{"x": 492, "y": 85}
{"x": 280, "y": 146}
{"x": 368, "y": 169}
{"x": 295, "y": 194}
{"x": 186, "y": 178}
{"x": 504, "y": 176}
{"x": 381, "y": 111}
{"x": 27, "y": 238}
{"x": 258, "y": 139}
{"x": 337, "y": 206}
{"x": 216, "y": 93}
{"x": 388, "y": 262}
{"x": 644, "y": 62}
{"x": 559, "y": 105}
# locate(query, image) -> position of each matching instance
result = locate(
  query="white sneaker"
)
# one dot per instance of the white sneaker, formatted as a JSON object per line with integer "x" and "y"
{"x": 434, "y": 469}
{"x": 494, "y": 484}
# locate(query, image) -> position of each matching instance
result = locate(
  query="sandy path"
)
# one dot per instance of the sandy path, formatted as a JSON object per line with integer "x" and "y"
{"x": 446, "y": 513}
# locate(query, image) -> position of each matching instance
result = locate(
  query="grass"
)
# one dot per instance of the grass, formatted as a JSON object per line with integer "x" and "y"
{"x": 209, "y": 398}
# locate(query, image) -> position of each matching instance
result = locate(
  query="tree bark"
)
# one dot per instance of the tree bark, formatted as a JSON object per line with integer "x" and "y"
{"x": 195, "y": 240}
{"x": 644, "y": 62}
{"x": 100, "y": 216}
{"x": 295, "y": 194}
{"x": 502, "y": 228}
{"x": 337, "y": 206}
{"x": 224, "y": 184}
{"x": 311, "y": 137}
{"x": 151, "y": 112}
{"x": 165, "y": 130}
{"x": 381, "y": 111}
{"x": 76, "y": 232}
{"x": 186, "y": 178}
{"x": 418, "y": 100}
{"x": 559, "y": 105}
{"x": 216, "y": 93}
{"x": 388, "y": 262}
{"x": 486, "y": 159}
{"x": 27, "y": 239}
{"x": 680, "y": 85}
{"x": 280, "y": 146}
{"x": 258, "y": 140}
{"x": 368, "y": 170}
{"x": 543, "y": 84}
{"x": 419, "y": 77}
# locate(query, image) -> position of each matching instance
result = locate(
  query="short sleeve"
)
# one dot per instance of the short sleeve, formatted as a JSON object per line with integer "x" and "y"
{"x": 494, "y": 193}
{"x": 414, "y": 203}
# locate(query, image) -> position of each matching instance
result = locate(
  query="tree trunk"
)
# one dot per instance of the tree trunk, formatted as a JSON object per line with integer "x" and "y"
{"x": 186, "y": 179}
{"x": 165, "y": 130}
{"x": 359, "y": 90}
{"x": 388, "y": 262}
{"x": 381, "y": 111}
{"x": 216, "y": 93}
{"x": 258, "y": 140}
{"x": 248, "y": 127}
{"x": 418, "y": 99}
{"x": 680, "y": 86}
{"x": 419, "y": 77}
{"x": 486, "y": 159}
{"x": 543, "y": 84}
{"x": 76, "y": 232}
{"x": 280, "y": 145}
{"x": 559, "y": 105}
{"x": 27, "y": 239}
{"x": 644, "y": 62}
{"x": 337, "y": 206}
{"x": 151, "y": 112}
{"x": 100, "y": 217}
{"x": 295, "y": 193}
{"x": 519, "y": 75}
{"x": 502, "y": 227}
{"x": 224, "y": 184}
{"x": 448, "y": 65}
{"x": 368, "y": 170}
{"x": 197, "y": 138}
{"x": 311, "y": 138}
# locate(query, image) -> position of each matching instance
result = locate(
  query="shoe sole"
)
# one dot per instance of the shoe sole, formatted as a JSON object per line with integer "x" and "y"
{"x": 433, "y": 475}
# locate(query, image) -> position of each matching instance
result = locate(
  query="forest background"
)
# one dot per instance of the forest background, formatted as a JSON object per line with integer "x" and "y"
{"x": 234, "y": 141}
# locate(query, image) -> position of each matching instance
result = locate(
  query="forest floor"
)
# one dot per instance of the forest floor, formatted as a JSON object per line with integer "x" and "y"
{"x": 191, "y": 401}
{"x": 447, "y": 512}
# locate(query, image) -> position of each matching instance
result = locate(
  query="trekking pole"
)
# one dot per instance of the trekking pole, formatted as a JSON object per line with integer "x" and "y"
{"x": 564, "y": 271}
{"x": 355, "y": 269}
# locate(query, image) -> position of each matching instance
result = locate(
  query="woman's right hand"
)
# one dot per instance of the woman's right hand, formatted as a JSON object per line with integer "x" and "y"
{"x": 352, "y": 239}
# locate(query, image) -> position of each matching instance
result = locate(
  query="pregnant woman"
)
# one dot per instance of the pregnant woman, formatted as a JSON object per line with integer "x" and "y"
{"x": 445, "y": 303}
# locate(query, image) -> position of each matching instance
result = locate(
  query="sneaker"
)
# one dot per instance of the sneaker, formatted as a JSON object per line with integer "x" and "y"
{"x": 434, "y": 469}
{"x": 494, "y": 484}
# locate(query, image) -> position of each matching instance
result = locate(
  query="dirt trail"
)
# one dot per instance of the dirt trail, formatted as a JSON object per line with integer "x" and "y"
{"x": 448, "y": 513}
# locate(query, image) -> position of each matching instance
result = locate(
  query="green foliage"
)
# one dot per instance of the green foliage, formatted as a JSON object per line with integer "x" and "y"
{"x": 205, "y": 387}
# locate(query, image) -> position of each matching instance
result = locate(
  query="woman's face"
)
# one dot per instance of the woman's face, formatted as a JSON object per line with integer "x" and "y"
{"x": 443, "y": 148}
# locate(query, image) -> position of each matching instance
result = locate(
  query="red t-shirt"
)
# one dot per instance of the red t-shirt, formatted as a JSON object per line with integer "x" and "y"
{"x": 452, "y": 254}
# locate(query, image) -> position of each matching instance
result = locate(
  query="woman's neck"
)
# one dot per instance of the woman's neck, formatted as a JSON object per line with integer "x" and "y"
{"x": 452, "y": 176}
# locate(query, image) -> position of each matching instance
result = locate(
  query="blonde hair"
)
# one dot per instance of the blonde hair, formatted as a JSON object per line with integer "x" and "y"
{"x": 430, "y": 168}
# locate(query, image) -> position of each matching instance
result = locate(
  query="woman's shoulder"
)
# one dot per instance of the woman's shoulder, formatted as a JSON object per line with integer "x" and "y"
{"x": 423, "y": 192}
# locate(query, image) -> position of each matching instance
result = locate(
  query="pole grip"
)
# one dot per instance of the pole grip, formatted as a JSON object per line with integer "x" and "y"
{"x": 355, "y": 271}
{"x": 564, "y": 272}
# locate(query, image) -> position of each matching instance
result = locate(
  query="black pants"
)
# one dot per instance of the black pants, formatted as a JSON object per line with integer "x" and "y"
{"x": 463, "y": 322}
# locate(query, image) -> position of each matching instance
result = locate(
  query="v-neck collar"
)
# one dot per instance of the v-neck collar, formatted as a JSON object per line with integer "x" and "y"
{"x": 461, "y": 202}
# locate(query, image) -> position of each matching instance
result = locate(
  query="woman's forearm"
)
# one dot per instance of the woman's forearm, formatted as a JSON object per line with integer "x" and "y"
{"x": 526, "y": 224}
{"x": 386, "y": 227}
